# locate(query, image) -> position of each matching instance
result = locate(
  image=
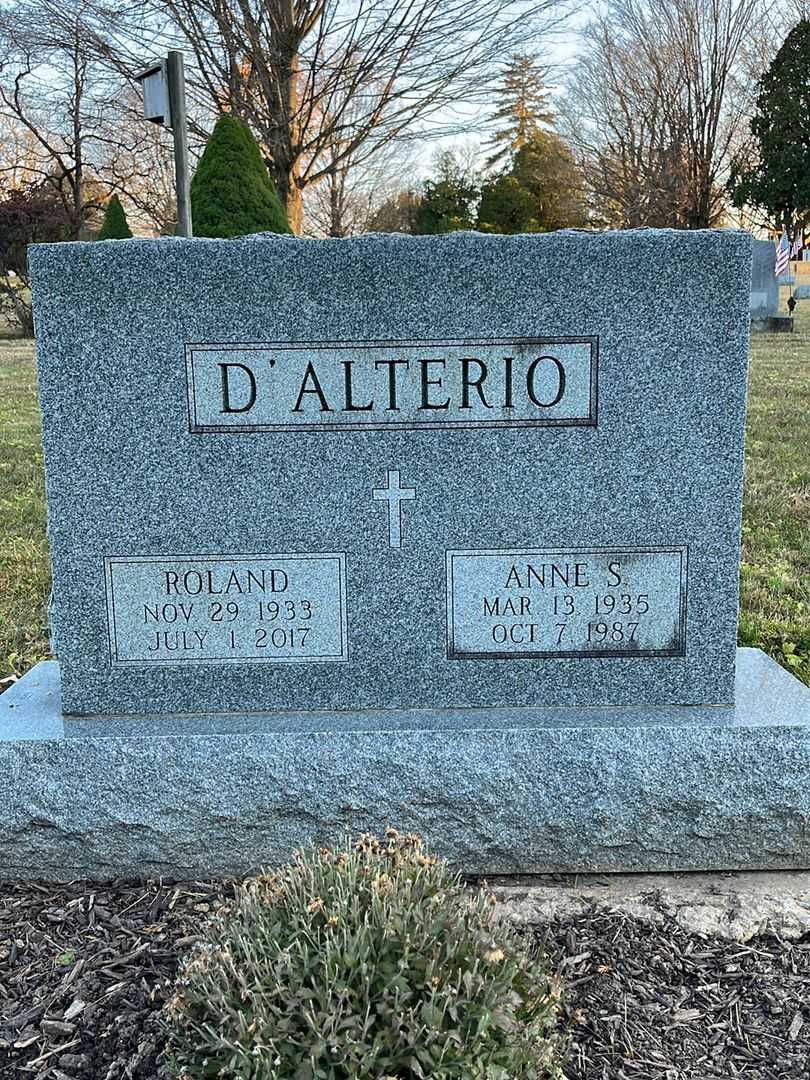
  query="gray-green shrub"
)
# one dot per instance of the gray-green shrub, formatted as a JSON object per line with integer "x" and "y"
{"x": 375, "y": 962}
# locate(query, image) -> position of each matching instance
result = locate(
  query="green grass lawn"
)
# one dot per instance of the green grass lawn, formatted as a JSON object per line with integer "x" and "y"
{"x": 24, "y": 571}
{"x": 775, "y": 573}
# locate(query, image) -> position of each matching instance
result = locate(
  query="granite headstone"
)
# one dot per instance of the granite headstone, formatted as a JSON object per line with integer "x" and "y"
{"x": 441, "y": 532}
{"x": 472, "y": 471}
{"x": 764, "y": 299}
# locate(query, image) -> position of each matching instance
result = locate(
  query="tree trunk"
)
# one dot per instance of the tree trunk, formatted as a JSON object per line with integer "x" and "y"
{"x": 21, "y": 310}
{"x": 77, "y": 202}
{"x": 294, "y": 205}
{"x": 77, "y": 180}
{"x": 336, "y": 224}
{"x": 285, "y": 167}
{"x": 284, "y": 174}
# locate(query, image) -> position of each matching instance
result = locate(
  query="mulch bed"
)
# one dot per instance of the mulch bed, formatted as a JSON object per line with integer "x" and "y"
{"x": 84, "y": 971}
{"x": 653, "y": 1002}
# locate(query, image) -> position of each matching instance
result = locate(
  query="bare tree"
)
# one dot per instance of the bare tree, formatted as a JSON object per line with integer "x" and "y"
{"x": 19, "y": 157}
{"x": 619, "y": 121}
{"x": 657, "y": 106}
{"x": 73, "y": 110}
{"x": 346, "y": 200}
{"x": 322, "y": 82}
{"x": 44, "y": 89}
{"x": 350, "y": 190}
{"x": 135, "y": 160}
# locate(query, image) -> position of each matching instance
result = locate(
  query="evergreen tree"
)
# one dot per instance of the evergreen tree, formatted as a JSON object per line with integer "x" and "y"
{"x": 448, "y": 201}
{"x": 522, "y": 108}
{"x": 543, "y": 190}
{"x": 546, "y": 168}
{"x": 507, "y": 207}
{"x": 232, "y": 193}
{"x": 114, "y": 226}
{"x": 778, "y": 182}
{"x": 540, "y": 187}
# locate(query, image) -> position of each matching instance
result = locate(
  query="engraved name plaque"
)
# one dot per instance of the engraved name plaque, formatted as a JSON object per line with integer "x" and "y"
{"x": 527, "y": 604}
{"x": 380, "y": 385}
{"x": 219, "y": 609}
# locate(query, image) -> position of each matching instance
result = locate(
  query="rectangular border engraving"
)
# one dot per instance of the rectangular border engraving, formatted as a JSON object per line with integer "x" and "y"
{"x": 196, "y": 427}
{"x": 543, "y": 654}
{"x": 118, "y": 662}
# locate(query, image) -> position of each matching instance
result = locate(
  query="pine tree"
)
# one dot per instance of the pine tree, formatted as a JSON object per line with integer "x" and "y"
{"x": 778, "y": 182}
{"x": 231, "y": 192}
{"x": 447, "y": 202}
{"x": 114, "y": 226}
{"x": 522, "y": 108}
{"x": 507, "y": 207}
{"x": 544, "y": 190}
{"x": 397, "y": 214}
{"x": 546, "y": 168}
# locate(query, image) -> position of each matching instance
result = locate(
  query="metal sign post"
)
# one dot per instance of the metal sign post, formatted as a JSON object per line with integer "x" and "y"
{"x": 175, "y": 77}
{"x": 164, "y": 102}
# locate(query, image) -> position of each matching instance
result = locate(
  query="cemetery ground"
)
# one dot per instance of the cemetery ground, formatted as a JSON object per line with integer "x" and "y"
{"x": 84, "y": 969}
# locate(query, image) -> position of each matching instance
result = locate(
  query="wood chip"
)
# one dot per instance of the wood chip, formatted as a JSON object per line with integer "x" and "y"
{"x": 796, "y": 1025}
{"x": 74, "y": 1009}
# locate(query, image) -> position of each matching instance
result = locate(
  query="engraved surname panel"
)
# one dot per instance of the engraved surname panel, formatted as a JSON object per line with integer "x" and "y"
{"x": 379, "y": 385}
{"x": 214, "y": 609}
{"x": 529, "y": 603}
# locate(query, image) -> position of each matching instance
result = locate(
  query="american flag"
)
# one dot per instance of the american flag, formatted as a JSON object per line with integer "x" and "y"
{"x": 782, "y": 255}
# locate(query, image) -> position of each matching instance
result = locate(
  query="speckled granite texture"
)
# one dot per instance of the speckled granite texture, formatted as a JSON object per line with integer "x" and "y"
{"x": 495, "y": 790}
{"x": 657, "y": 465}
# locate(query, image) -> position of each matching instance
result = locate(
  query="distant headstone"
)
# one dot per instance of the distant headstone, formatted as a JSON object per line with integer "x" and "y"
{"x": 764, "y": 286}
{"x": 439, "y": 531}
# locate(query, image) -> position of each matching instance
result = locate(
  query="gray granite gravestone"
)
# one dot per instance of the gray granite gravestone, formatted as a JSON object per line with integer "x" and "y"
{"x": 444, "y": 489}
{"x": 438, "y": 531}
{"x": 764, "y": 299}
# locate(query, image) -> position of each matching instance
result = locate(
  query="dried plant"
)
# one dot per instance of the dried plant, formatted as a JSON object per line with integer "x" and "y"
{"x": 373, "y": 962}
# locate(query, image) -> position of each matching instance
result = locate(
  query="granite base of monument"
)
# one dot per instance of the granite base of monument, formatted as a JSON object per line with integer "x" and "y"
{"x": 497, "y": 791}
{"x": 773, "y": 324}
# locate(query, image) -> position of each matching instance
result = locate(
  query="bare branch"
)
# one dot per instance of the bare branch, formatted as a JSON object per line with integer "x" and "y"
{"x": 657, "y": 106}
{"x": 340, "y": 80}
